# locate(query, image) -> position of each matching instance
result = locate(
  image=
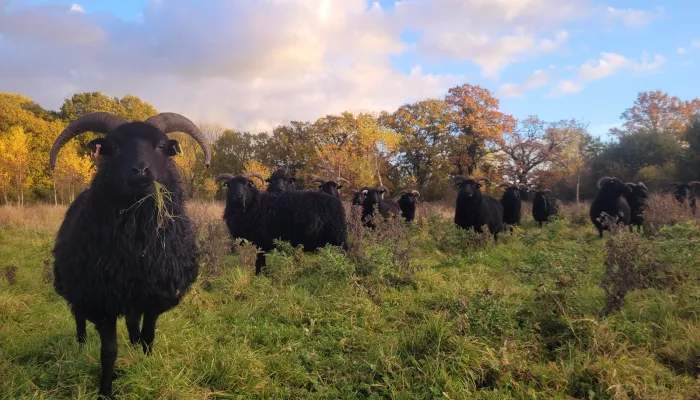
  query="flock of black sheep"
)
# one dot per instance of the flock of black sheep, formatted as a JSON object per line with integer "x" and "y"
{"x": 113, "y": 259}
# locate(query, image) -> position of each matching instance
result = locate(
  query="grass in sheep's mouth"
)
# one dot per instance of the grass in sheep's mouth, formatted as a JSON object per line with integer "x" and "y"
{"x": 162, "y": 197}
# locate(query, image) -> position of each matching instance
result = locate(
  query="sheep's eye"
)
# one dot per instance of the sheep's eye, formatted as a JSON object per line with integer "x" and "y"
{"x": 250, "y": 183}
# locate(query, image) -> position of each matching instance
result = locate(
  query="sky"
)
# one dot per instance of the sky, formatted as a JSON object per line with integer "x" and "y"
{"x": 253, "y": 64}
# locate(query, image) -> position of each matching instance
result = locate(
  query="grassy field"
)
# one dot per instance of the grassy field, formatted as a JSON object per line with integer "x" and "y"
{"x": 419, "y": 312}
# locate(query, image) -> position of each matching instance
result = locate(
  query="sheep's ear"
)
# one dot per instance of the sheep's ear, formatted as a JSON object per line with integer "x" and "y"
{"x": 340, "y": 187}
{"x": 99, "y": 147}
{"x": 292, "y": 179}
{"x": 174, "y": 148}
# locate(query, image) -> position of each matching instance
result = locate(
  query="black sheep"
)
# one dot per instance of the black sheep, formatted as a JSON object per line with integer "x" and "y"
{"x": 610, "y": 201}
{"x": 310, "y": 219}
{"x": 544, "y": 206}
{"x": 407, "y": 203}
{"x": 474, "y": 209}
{"x": 280, "y": 181}
{"x": 685, "y": 191}
{"x": 524, "y": 192}
{"x": 331, "y": 186}
{"x": 122, "y": 249}
{"x": 357, "y": 196}
{"x": 374, "y": 196}
{"x": 637, "y": 200}
{"x": 512, "y": 205}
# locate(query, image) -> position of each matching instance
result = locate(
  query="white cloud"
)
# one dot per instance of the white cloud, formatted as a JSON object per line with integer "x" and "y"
{"x": 565, "y": 87}
{"x": 607, "y": 65}
{"x": 252, "y": 64}
{"x": 77, "y": 8}
{"x": 635, "y": 18}
{"x": 536, "y": 80}
{"x": 682, "y": 50}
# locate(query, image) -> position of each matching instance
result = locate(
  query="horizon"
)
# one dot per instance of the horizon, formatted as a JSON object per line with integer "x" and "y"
{"x": 585, "y": 60}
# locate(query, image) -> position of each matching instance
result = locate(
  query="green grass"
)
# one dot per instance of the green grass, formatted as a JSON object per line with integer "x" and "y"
{"x": 458, "y": 318}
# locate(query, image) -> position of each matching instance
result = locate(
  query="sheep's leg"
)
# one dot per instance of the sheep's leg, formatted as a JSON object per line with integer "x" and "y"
{"x": 600, "y": 233}
{"x": 108, "y": 353}
{"x": 631, "y": 228}
{"x": 133, "y": 325}
{"x": 81, "y": 330}
{"x": 148, "y": 331}
{"x": 259, "y": 263}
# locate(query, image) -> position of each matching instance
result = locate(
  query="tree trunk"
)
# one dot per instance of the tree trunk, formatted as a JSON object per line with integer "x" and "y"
{"x": 55, "y": 194}
{"x": 376, "y": 166}
{"x": 578, "y": 187}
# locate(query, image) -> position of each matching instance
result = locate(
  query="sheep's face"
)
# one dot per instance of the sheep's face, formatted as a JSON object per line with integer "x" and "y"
{"x": 512, "y": 193}
{"x": 133, "y": 157}
{"x": 358, "y": 198}
{"x": 372, "y": 196}
{"x": 408, "y": 198}
{"x": 615, "y": 187}
{"x": 469, "y": 188}
{"x": 639, "y": 192}
{"x": 241, "y": 191}
{"x": 524, "y": 193}
{"x": 279, "y": 182}
{"x": 331, "y": 188}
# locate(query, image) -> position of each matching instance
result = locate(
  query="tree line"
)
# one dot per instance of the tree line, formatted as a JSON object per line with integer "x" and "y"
{"x": 420, "y": 145}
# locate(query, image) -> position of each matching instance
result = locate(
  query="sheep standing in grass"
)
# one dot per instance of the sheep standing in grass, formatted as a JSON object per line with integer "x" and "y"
{"x": 331, "y": 186}
{"x": 685, "y": 191}
{"x": 310, "y": 219}
{"x": 474, "y": 209}
{"x": 512, "y": 205}
{"x": 374, "y": 197}
{"x": 610, "y": 201}
{"x": 280, "y": 181}
{"x": 637, "y": 200}
{"x": 544, "y": 206}
{"x": 407, "y": 203}
{"x": 126, "y": 246}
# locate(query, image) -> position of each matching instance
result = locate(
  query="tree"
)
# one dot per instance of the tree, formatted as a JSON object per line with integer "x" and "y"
{"x": 531, "y": 145}
{"x": 425, "y": 128}
{"x": 290, "y": 146}
{"x": 659, "y": 112}
{"x": 478, "y": 125}
{"x": 14, "y": 163}
{"x": 355, "y": 147}
{"x": 231, "y": 151}
{"x": 73, "y": 172}
{"x": 575, "y": 151}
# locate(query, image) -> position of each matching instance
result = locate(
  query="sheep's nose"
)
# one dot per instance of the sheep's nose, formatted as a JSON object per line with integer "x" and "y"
{"x": 140, "y": 169}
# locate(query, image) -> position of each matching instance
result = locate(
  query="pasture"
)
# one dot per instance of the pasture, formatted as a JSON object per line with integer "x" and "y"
{"x": 425, "y": 311}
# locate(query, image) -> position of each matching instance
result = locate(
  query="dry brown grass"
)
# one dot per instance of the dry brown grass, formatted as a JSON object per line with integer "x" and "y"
{"x": 443, "y": 209}
{"x": 662, "y": 210}
{"x": 38, "y": 218}
{"x": 577, "y": 213}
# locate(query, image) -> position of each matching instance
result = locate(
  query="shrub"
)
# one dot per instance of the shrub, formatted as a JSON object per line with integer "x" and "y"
{"x": 630, "y": 264}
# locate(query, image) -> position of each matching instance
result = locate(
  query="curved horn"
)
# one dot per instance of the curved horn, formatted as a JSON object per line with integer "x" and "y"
{"x": 343, "y": 180}
{"x": 547, "y": 191}
{"x": 483, "y": 178}
{"x": 692, "y": 183}
{"x": 172, "y": 122}
{"x": 101, "y": 122}
{"x": 504, "y": 185}
{"x": 224, "y": 177}
{"x": 383, "y": 188}
{"x": 319, "y": 180}
{"x": 459, "y": 178}
{"x": 353, "y": 191}
{"x": 603, "y": 181}
{"x": 643, "y": 186}
{"x": 254, "y": 175}
{"x": 415, "y": 192}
